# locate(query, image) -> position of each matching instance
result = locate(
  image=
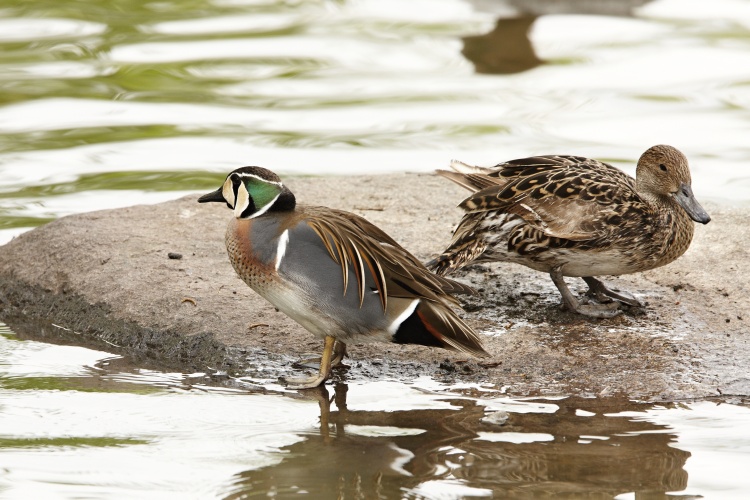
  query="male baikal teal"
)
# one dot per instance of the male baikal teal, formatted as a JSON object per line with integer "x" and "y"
{"x": 578, "y": 217}
{"x": 335, "y": 273}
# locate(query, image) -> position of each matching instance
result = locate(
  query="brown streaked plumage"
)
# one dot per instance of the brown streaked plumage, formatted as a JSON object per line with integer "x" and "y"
{"x": 578, "y": 217}
{"x": 335, "y": 273}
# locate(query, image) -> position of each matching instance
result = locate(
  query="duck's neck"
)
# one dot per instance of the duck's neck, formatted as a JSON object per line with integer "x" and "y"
{"x": 678, "y": 227}
{"x": 286, "y": 202}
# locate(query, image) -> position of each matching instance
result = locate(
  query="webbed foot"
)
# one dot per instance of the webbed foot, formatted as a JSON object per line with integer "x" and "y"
{"x": 312, "y": 361}
{"x": 306, "y": 382}
{"x": 601, "y": 293}
{"x": 609, "y": 310}
{"x": 324, "y": 371}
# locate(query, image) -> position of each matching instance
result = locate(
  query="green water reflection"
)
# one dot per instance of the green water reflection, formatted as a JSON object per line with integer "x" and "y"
{"x": 71, "y": 137}
{"x": 81, "y": 384}
{"x": 146, "y": 181}
{"x": 67, "y": 442}
{"x": 123, "y": 180}
{"x": 8, "y": 221}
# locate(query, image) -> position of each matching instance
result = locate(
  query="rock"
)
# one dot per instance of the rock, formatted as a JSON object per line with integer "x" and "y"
{"x": 104, "y": 276}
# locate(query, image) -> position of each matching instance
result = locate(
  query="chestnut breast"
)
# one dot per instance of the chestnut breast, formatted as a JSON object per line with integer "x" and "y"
{"x": 252, "y": 251}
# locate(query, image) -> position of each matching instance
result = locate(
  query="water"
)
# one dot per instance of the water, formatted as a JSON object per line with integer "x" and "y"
{"x": 138, "y": 102}
{"x": 78, "y": 423}
{"x": 107, "y": 104}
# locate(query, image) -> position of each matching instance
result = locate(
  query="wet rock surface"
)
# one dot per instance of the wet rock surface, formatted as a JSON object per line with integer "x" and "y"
{"x": 154, "y": 282}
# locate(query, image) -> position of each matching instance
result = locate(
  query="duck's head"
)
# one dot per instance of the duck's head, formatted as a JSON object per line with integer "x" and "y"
{"x": 663, "y": 171}
{"x": 252, "y": 191}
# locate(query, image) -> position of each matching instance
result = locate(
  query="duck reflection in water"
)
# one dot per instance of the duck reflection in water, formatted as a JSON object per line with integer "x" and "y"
{"x": 507, "y": 48}
{"x": 579, "y": 449}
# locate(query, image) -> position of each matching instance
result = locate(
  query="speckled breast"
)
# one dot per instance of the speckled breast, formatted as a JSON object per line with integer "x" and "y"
{"x": 257, "y": 272}
{"x": 673, "y": 238}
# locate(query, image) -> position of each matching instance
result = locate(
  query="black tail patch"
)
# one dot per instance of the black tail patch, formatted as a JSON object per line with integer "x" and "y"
{"x": 414, "y": 331}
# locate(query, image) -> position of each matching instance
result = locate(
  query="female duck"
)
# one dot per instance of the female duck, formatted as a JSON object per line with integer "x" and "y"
{"x": 578, "y": 217}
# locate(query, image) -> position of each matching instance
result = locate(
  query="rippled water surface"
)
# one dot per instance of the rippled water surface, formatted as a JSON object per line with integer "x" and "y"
{"x": 78, "y": 423}
{"x": 105, "y": 104}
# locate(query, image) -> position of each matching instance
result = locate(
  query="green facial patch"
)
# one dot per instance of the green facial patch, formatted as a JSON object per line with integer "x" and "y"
{"x": 261, "y": 191}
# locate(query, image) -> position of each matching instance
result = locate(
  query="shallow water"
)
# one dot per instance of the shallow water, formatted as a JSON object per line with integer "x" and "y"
{"x": 137, "y": 102}
{"x": 79, "y": 423}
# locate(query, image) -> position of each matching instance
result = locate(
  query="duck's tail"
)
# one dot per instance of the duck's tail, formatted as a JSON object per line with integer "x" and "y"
{"x": 468, "y": 176}
{"x": 435, "y": 324}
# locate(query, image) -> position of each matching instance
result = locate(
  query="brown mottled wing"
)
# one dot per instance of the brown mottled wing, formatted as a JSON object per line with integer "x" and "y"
{"x": 466, "y": 245}
{"x": 567, "y": 197}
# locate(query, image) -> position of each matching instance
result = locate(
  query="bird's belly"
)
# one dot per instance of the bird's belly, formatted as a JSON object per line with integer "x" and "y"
{"x": 313, "y": 311}
{"x": 610, "y": 262}
{"x": 301, "y": 309}
{"x": 575, "y": 263}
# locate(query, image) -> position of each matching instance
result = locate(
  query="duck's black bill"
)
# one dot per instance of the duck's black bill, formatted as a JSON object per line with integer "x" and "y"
{"x": 684, "y": 196}
{"x": 212, "y": 196}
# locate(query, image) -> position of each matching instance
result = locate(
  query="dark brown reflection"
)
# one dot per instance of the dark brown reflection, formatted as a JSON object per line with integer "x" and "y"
{"x": 507, "y": 48}
{"x": 636, "y": 455}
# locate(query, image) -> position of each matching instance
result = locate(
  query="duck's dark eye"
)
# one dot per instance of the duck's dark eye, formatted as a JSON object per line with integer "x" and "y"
{"x": 663, "y": 167}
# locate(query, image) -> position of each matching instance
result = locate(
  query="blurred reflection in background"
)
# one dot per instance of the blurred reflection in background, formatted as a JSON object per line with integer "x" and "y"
{"x": 507, "y": 48}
